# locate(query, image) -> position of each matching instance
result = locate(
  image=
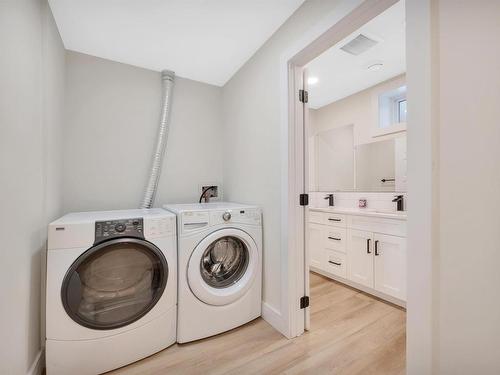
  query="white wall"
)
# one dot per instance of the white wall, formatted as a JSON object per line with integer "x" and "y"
{"x": 252, "y": 149}
{"x": 454, "y": 180}
{"x": 113, "y": 112}
{"x": 360, "y": 110}
{"x": 469, "y": 158}
{"x": 31, "y": 101}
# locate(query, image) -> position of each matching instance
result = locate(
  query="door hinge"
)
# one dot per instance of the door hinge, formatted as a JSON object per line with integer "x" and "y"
{"x": 304, "y": 302}
{"x": 303, "y": 96}
{"x": 304, "y": 199}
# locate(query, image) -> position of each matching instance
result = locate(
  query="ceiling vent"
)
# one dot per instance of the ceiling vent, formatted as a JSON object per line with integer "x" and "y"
{"x": 359, "y": 45}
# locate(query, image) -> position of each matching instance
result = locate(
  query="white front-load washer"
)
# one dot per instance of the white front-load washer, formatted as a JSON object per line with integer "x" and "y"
{"x": 111, "y": 289}
{"x": 220, "y": 267}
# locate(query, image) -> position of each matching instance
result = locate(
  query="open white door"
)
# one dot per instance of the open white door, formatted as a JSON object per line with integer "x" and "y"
{"x": 301, "y": 171}
{"x": 305, "y": 163}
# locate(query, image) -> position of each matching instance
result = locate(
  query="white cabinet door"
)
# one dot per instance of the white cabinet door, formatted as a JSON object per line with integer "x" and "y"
{"x": 390, "y": 265}
{"x": 316, "y": 245}
{"x": 360, "y": 257}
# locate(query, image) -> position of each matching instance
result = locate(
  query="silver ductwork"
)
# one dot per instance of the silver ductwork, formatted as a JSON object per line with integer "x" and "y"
{"x": 167, "y": 87}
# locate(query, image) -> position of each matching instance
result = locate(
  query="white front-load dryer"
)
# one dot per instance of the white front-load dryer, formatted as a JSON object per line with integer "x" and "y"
{"x": 111, "y": 289}
{"x": 220, "y": 267}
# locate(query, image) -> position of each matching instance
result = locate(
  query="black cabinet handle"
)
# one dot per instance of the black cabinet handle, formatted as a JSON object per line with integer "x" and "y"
{"x": 332, "y": 262}
{"x": 376, "y": 248}
{"x": 334, "y": 219}
{"x": 368, "y": 246}
{"x": 333, "y": 238}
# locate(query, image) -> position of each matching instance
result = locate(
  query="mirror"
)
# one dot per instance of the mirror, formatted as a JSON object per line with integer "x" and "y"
{"x": 339, "y": 165}
{"x": 335, "y": 159}
{"x": 375, "y": 167}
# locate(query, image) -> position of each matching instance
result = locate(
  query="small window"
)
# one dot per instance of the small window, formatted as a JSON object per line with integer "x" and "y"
{"x": 401, "y": 110}
{"x": 391, "y": 111}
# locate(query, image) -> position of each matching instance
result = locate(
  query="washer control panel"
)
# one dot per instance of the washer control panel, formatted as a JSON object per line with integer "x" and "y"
{"x": 236, "y": 216}
{"x": 104, "y": 230}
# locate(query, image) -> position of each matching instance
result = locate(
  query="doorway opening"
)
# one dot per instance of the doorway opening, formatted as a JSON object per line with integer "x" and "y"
{"x": 347, "y": 162}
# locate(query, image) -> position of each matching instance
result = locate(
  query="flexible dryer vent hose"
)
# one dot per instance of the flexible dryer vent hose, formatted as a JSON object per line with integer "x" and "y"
{"x": 168, "y": 84}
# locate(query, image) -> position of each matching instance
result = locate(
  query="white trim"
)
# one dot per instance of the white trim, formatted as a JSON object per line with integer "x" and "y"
{"x": 274, "y": 318}
{"x": 423, "y": 186}
{"x": 295, "y": 188}
{"x": 37, "y": 366}
{"x": 288, "y": 253}
{"x": 344, "y": 20}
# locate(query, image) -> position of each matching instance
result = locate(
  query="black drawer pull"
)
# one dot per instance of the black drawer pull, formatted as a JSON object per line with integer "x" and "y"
{"x": 376, "y": 248}
{"x": 333, "y": 238}
{"x": 334, "y": 219}
{"x": 332, "y": 262}
{"x": 368, "y": 246}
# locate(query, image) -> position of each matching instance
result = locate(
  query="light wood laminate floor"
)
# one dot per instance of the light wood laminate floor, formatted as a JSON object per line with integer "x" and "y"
{"x": 351, "y": 333}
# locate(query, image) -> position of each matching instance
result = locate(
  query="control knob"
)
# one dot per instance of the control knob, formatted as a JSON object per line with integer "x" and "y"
{"x": 226, "y": 216}
{"x": 120, "y": 227}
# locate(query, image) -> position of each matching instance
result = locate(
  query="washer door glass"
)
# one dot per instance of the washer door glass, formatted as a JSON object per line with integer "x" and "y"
{"x": 224, "y": 262}
{"x": 223, "y": 266}
{"x": 114, "y": 283}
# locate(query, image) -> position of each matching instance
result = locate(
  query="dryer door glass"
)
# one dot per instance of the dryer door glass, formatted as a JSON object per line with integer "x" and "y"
{"x": 224, "y": 262}
{"x": 114, "y": 283}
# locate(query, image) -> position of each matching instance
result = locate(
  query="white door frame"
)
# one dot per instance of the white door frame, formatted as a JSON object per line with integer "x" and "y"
{"x": 347, "y": 18}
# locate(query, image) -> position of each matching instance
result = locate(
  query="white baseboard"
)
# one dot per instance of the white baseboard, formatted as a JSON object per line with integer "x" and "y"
{"x": 274, "y": 318}
{"x": 38, "y": 364}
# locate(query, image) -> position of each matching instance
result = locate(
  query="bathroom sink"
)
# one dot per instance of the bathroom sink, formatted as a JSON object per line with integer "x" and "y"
{"x": 364, "y": 211}
{"x": 384, "y": 211}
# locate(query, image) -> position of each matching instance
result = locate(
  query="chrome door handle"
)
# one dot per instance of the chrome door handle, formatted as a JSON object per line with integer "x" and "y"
{"x": 368, "y": 246}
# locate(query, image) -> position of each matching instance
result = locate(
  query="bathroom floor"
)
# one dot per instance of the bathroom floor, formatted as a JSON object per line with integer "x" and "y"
{"x": 351, "y": 333}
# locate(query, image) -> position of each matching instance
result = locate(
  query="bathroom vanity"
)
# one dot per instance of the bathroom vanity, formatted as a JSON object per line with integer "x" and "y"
{"x": 363, "y": 248}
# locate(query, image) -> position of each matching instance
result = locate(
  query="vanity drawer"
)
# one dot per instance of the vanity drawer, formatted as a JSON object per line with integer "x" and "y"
{"x": 336, "y": 263}
{"x": 316, "y": 217}
{"x": 335, "y": 220}
{"x": 392, "y": 227}
{"x": 335, "y": 238}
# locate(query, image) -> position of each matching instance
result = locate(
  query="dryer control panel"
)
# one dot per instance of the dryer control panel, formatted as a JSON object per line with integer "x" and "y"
{"x": 104, "y": 230}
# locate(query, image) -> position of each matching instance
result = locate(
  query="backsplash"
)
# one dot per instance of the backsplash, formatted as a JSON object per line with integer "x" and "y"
{"x": 378, "y": 200}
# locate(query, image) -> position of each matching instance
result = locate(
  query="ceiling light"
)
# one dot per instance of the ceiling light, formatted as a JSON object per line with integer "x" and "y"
{"x": 312, "y": 80}
{"x": 375, "y": 67}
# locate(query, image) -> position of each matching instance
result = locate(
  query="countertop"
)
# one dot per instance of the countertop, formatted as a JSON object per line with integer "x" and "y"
{"x": 398, "y": 215}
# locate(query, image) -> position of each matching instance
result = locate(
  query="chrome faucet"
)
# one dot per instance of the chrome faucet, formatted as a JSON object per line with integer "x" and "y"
{"x": 330, "y": 200}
